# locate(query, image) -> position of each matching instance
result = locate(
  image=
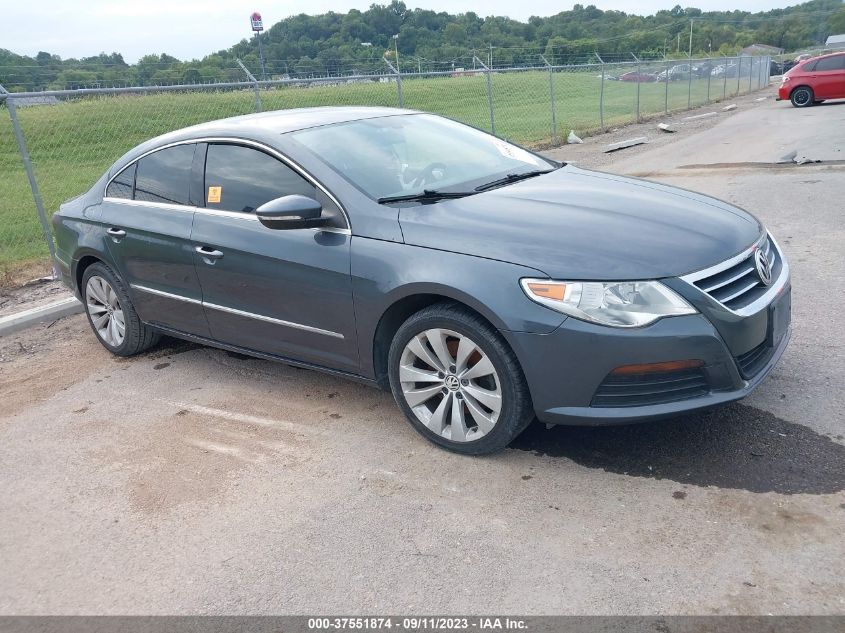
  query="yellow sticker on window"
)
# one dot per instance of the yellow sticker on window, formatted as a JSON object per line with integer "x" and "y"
{"x": 214, "y": 194}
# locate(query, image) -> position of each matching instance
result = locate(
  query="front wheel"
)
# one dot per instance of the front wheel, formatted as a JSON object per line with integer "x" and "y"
{"x": 457, "y": 381}
{"x": 802, "y": 97}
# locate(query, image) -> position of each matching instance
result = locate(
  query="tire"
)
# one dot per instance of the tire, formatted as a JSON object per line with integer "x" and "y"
{"x": 462, "y": 417}
{"x": 802, "y": 97}
{"x": 106, "y": 301}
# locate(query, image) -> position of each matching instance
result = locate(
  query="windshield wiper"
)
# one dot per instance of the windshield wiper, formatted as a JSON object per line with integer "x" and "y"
{"x": 512, "y": 178}
{"x": 426, "y": 195}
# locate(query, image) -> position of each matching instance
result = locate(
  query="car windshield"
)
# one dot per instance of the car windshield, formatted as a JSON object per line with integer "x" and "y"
{"x": 408, "y": 155}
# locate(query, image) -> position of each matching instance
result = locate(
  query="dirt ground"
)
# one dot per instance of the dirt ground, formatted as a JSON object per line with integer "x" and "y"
{"x": 197, "y": 481}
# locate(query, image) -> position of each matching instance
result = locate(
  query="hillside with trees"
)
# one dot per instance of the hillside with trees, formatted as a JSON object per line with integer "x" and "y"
{"x": 354, "y": 42}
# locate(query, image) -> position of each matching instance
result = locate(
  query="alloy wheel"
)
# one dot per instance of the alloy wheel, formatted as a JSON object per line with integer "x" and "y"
{"x": 105, "y": 311}
{"x": 450, "y": 384}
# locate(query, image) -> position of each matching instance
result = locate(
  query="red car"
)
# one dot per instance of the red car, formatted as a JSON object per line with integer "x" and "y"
{"x": 638, "y": 77}
{"x": 814, "y": 80}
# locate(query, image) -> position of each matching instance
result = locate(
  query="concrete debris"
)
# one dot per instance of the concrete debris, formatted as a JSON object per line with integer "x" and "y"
{"x": 700, "y": 116}
{"x": 573, "y": 139}
{"x": 728, "y": 108}
{"x": 623, "y": 144}
{"x": 804, "y": 160}
{"x": 666, "y": 127}
{"x": 761, "y": 99}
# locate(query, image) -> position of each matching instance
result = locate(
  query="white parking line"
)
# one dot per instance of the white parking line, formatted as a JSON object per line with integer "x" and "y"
{"x": 249, "y": 419}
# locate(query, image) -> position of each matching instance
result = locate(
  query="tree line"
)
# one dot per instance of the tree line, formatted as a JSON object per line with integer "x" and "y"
{"x": 356, "y": 42}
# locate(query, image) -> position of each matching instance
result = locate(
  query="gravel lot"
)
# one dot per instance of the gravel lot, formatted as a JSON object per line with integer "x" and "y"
{"x": 195, "y": 480}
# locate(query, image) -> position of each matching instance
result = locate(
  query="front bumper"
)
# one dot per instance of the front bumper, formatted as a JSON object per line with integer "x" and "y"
{"x": 565, "y": 368}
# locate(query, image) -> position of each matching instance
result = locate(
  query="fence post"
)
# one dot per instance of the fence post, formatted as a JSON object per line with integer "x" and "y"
{"x": 689, "y": 85}
{"x": 709, "y": 73}
{"x": 33, "y": 184}
{"x": 254, "y": 84}
{"x": 750, "y": 74}
{"x": 552, "y": 99}
{"x": 725, "y": 80}
{"x": 666, "y": 89}
{"x": 398, "y": 82}
{"x": 601, "y": 98}
{"x": 489, "y": 94}
{"x": 738, "y": 73}
{"x": 638, "y": 91}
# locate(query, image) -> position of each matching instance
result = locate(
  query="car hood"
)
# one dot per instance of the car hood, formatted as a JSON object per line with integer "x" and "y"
{"x": 579, "y": 224}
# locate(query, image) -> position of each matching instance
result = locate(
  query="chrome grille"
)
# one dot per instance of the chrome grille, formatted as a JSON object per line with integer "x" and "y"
{"x": 739, "y": 285}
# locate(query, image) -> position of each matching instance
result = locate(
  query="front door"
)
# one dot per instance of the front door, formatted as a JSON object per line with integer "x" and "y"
{"x": 283, "y": 292}
{"x": 148, "y": 214}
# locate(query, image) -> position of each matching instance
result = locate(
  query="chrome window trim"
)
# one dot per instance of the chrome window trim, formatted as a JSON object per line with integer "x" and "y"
{"x": 185, "y": 208}
{"x": 250, "y": 315}
{"x": 237, "y": 215}
{"x": 763, "y": 300}
{"x": 232, "y": 140}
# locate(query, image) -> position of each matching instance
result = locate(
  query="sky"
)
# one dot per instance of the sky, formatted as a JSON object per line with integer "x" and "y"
{"x": 190, "y": 29}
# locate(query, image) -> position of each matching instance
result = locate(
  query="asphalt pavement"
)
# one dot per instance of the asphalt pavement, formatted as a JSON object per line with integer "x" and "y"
{"x": 191, "y": 480}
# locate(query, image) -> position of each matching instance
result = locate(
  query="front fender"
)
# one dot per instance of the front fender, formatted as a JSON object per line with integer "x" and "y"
{"x": 386, "y": 272}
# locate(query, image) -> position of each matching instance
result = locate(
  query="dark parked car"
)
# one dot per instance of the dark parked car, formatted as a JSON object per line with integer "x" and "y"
{"x": 482, "y": 283}
{"x": 679, "y": 72}
{"x": 814, "y": 81}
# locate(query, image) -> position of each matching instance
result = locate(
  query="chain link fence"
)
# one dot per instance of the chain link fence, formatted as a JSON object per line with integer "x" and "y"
{"x": 55, "y": 144}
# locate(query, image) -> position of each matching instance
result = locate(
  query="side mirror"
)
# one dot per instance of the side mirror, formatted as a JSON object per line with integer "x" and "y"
{"x": 291, "y": 212}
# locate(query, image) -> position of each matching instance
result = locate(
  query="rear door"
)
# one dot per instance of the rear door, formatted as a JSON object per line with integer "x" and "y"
{"x": 283, "y": 292}
{"x": 148, "y": 212}
{"x": 828, "y": 77}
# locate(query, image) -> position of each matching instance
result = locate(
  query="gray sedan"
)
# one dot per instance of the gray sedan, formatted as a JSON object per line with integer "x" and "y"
{"x": 483, "y": 284}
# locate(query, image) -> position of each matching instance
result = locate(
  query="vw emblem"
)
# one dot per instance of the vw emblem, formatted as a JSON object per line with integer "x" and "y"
{"x": 764, "y": 268}
{"x": 452, "y": 382}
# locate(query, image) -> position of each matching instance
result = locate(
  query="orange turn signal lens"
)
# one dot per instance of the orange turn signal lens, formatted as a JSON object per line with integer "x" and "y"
{"x": 653, "y": 368}
{"x": 548, "y": 291}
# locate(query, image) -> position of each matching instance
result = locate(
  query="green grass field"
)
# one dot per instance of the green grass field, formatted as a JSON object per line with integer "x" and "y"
{"x": 71, "y": 144}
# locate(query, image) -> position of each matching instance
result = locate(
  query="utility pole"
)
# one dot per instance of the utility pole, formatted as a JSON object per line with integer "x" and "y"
{"x": 396, "y": 49}
{"x": 690, "y": 38}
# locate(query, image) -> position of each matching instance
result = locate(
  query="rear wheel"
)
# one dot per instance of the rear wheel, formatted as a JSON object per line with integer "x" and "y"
{"x": 111, "y": 313}
{"x": 802, "y": 97}
{"x": 457, "y": 381}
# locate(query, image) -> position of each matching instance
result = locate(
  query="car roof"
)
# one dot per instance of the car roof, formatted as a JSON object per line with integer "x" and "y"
{"x": 262, "y": 126}
{"x": 284, "y": 121}
{"x": 818, "y": 57}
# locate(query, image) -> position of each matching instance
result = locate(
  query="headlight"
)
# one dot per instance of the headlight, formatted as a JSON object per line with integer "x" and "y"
{"x": 613, "y": 303}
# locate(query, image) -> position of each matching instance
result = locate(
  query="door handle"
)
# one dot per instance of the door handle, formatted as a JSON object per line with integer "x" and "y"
{"x": 117, "y": 234}
{"x": 208, "y": 254}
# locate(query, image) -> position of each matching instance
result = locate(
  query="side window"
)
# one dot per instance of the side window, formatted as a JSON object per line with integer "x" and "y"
{"x": 831, "y": 63}
{"x": 123, "y": 183}
{"x": 239, "y": 178}
{"x": 165, "y": 175}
